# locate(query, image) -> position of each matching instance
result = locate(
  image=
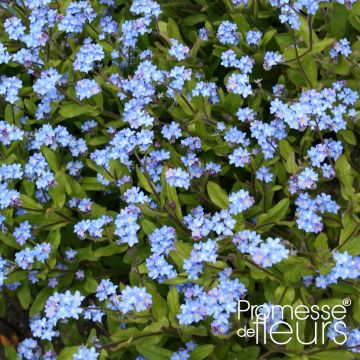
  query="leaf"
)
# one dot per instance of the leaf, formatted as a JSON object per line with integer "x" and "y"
{"x": 194, "y": 19}
{"x": 276, "y": 213}
{"x": 147, "y": 226}
{"x": 29, "y": 203}
{"x": 201, "y": 352}
{"x": 110, "y": 250}
{"x": 333, "y": 354}
{"x": 143, "y": 181}
{"x": 151, "y": 352}
{"x": 285, "y": 149}
{"x": 68, "y": 352}
{"x": 268, "y": 36}
{"x": 173, "y": 30}
{"x": 338, "y": 21}
{"x": 284, "y": 295}
{"x": 348, "y": 136}
{"x": 217, "y": 195}
{"x": 319, "y": 46}
{"x": 344, "y": 172}
{"x": 174, "y": 304}
{"x": 249, "y": 353}
{"x": 291, "y": 166}
{"x": 184, "y": 104}
{"x": 40, "y": 301}
{"x": 24, "y": 294}
{"x": 51, "y": 158}
{"x": 159, "y": 305}
{"x": 74, "y": 110}
{"x": 310, "y": 67}
{"x": 54, "y": 239}
{"x": 173, "y": 199}
{"x": 9, "y": 239}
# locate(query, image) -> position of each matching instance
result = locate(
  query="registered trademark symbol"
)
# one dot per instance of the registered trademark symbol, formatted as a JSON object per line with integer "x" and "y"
{"x": 347, "y": 302}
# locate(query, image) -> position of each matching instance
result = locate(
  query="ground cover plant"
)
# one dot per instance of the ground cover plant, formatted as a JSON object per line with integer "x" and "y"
{"x": 162, "y": 161}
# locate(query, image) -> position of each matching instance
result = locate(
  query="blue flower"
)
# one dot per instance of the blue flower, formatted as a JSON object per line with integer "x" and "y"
{"x": 88, "y": 54}
{"x": 177, "y": 178}
{"x": 178, "y": 51}
{"x": 9, "y": 87}
{"x": 227, "y": 33}
{"x": 253, "y": 37}
{"x": 86, "y": 88}
{"x": 85, "y": 353}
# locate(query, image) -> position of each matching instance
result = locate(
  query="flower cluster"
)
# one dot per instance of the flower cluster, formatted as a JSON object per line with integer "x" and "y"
{"x": 27, "y": 257}
{"x": 162, "y": 241}
{"x": 201, "y": 252}
{"x": 86, "y": 57}
{"x": 92, "y": 228}
{"x": 308, "y": 209}
{"x": 131, "y": 298}
{"x": 184, "y": 353}
{"x": 219, "y": 303}
{"x": 263, "y": 253}
{"x": 58, "y": 307}
{"x": 346, "y": 267}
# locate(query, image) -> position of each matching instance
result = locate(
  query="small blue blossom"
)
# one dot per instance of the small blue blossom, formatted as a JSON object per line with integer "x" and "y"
{"x": 271, "y": 59}
{"x": 88, "y": 54}
{"x": 85, "y": 353}
{"x": 86, "y": 88}
{"x": 227, "y": 33}
{"x": 171, "y": 132}
{"x": 342, "y": 47}
{"x": 263, "y": 174}
{"x": 10, "y": 87}
{"x": 240, "y": 201}
{"x": 177, "y": 178}
{"x": 239, "y": 84}
{"x": 22, "y": 233}
{"x": 178, "y": 51}
{"x": 253, "y": 37}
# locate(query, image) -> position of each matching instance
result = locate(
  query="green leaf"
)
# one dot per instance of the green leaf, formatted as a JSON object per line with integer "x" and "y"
{"x": 319, "y": 46}
{"x": 348, "y": 136}
{"x": 291, "y": 166}
{"x": 217, "y": 195}
{"x": 159, "y": 305}
{"x": 9, "y": 239}
{"x": 185, "y": 105}
{"x": 29, "y": 203}
{"x": 109, "y": 250}
{"x": 194, "y": 19}
{"x": 143, "y": 181}
{"x": 147, "y": 226}
{"x": 24, "y": 294}
{"x": 268, "y": 36}
{"x": 173, "y": 30}
{"x": 339, "y": 21}
{"x": 68, "y": 352}
{"x": 344, "y": 172}
{"x": 173, "y": 199}
{"x": 249, "y": 353}
{"x": 276, "y": 213}
{"x": 174, "y": 304}
{"x": 310, "y": 67}
{"x": 201, "y": 352}
{"x": 40, "y": 301}
{"x": 51, "y": 158}
{"x": 152, "y": 352}
{"x": 74, "y": 110}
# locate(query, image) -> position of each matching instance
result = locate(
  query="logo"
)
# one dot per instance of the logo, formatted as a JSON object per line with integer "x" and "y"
{"x": 267, "y": 321}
